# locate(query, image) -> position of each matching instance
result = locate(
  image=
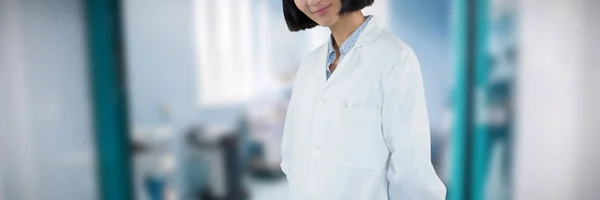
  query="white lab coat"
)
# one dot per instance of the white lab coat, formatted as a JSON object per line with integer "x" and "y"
{"x": 364, "y": 133}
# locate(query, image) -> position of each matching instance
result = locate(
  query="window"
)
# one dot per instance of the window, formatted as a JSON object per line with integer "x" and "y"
{"x": 224, "y": 56}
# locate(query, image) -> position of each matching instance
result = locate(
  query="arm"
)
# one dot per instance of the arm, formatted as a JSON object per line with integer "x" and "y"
{"x": 286, "y": 143}
{"x": 406, "y": 131}
{"x": 288, "y": 130}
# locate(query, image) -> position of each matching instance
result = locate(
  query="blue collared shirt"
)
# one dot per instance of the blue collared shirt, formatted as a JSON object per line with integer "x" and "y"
{"x": 345, "y": 47}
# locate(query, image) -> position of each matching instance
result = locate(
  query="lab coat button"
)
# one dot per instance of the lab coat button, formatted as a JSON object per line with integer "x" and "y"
{"x": 317, "y": 153}
{"x": 322, "y": 101}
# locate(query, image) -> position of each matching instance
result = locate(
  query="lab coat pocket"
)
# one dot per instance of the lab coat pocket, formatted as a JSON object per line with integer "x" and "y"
{"x": 360, "y": 137}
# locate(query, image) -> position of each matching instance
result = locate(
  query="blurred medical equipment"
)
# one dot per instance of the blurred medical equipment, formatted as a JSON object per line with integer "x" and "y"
{"x": 153, "y": 162}
{"x": 217, "y": 154}
{"x": 266, "y": 116}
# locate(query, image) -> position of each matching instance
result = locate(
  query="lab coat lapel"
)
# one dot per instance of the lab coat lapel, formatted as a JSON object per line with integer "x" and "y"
{"x": 350, "y": 61}
{"x": 370, "y": 33}
{"x": 344, "y": 68}
{"x": 318, "y": 65}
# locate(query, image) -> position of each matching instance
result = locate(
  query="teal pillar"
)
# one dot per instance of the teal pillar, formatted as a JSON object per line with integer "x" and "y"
{"x": 470, "y": 139}
{"x": 481, "y": 139}
{"x": 106, "y": 69}
{"x": 458, "y": 186}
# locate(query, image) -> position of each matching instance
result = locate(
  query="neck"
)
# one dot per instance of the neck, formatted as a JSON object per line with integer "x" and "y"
{"x": 345, "y": 26}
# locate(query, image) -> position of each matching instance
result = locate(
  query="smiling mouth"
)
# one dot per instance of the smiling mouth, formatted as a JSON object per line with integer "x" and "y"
{"x": 322, "y": 10}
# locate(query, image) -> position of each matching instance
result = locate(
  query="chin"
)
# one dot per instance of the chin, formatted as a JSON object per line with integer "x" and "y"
{"x": 325, "y": 24}
{"x": 326, "y": 21}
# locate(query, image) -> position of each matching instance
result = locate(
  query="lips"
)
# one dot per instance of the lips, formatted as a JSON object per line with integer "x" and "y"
{"x": 321, "y": 11}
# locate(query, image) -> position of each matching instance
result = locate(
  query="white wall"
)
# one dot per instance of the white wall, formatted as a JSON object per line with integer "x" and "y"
{"x": 3, "y": 87}
{"x": 161, "y": 71}
{"x": 589, "y": 169}
{"x": 556, "y": 113}
{"x": 46, "y": 145}
{"x": 1, "y": 187}
{"x": 159, "y": 41}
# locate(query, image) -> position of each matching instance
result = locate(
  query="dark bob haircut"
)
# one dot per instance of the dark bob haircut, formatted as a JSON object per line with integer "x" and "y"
{"x": 296, "y": 20}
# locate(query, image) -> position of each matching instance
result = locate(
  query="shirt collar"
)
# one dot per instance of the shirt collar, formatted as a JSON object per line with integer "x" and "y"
{"x": 349, "y": 43}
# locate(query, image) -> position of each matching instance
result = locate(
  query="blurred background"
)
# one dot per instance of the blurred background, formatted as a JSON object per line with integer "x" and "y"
{"x": 162, "y": 99}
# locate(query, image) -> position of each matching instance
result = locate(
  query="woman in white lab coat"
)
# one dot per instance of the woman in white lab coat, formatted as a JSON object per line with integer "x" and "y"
{"x": 357, "y": 125}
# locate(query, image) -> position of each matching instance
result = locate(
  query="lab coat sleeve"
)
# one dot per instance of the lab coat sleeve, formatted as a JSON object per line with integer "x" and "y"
{"x": 410, "y": 175}
{"x": 288, "y": 129}
{"x": 286, "y": 142}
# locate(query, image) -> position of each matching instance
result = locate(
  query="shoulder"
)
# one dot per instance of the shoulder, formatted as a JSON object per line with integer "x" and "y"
{"x": 313, "y": 56}
{"x": 395, "y": 59}
{"x": 387, "y": 44}
{"x": 390, "y": 52}
{"x": 316, "y": 53}
{"x": 308, "y": 62}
